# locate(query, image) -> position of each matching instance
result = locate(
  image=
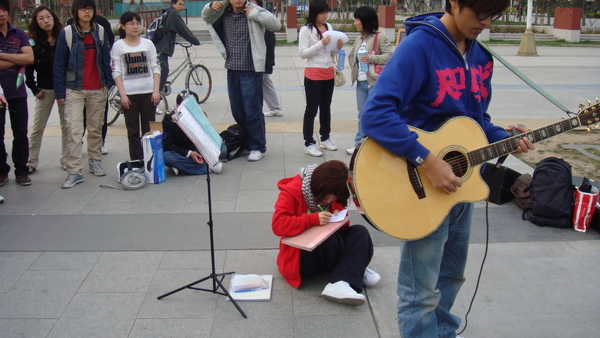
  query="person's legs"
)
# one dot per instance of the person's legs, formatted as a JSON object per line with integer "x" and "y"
{"x": 421, "y": 286}
{"x": 325, "y": 109}
{"x": 235, "y": 99}
{"x": 163, "y": 62}
{"x": 43, "y": 107}
{"x": 132, "y": 123}
{"x": 75, "y": 103}
{"x": 252, "y": 100}
{"x": 175, "y": 160}
{"x": 18, "y": 121}
{"x": 312, "y": 91}
{"x": 95, "y": 103}
{"x": 270, "y": 95}
{"x": 4, "y": 167}
{"x": 362, "y": 93}
{"x": 64, "y": 139}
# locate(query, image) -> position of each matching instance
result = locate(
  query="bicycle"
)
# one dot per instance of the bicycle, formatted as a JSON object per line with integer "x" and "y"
{"x": 197, "y": 79}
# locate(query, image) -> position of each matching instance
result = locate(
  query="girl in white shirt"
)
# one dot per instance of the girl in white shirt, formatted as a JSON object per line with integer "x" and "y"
{"x": 137, "y": 76}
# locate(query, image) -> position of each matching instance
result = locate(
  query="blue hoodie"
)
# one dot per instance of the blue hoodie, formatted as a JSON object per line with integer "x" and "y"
{"x": 426, "y": 82}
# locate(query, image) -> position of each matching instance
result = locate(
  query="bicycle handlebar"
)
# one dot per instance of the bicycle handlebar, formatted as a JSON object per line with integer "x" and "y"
{"x": 184, "y": 45}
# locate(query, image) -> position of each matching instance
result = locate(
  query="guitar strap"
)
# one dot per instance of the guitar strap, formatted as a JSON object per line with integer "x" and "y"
{"x": 526, "y": 79}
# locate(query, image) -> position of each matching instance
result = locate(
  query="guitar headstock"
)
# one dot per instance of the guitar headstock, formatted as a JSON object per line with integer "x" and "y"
{"x": 589, "y": 116}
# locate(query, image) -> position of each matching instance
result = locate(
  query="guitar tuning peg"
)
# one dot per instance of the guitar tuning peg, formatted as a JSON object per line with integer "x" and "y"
{"x": 589, "y": 103}
{"x": 581, "y": 106}
{"x": 597, "y": 100}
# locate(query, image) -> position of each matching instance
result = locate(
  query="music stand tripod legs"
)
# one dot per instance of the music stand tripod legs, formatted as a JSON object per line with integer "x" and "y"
{"x": 217, "y": 278}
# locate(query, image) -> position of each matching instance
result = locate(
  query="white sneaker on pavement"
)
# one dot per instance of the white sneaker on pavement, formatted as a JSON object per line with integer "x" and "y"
{"x": 217, "y": 169}
{"x": 327, "y": 144}
{"x": 103, "y": 150}
{"x": 350, "y": 151}
{"x": 255, "y": 155}
{"x": 273, "y": 113}
{"x": 370, "y": 278}
{"x": 342, "y": 292}
{"x": 312, "y": 150}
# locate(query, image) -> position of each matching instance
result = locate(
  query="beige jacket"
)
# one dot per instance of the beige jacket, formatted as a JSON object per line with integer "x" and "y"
{"x": 383, "y": 53}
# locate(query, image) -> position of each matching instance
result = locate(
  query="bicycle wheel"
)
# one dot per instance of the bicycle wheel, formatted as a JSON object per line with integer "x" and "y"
{"x": 199, "y": 81}
{"x": 161, "y": 108}
{"x": 114, "y": 105}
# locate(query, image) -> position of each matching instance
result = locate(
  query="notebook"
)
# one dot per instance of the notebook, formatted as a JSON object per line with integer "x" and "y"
{"x": 313, "y": 236}
{"x": 256, "y": 293}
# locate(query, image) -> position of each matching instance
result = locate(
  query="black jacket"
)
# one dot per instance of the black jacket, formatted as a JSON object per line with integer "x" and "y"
{"x": 43, "y": 65}
{"x": 175, "y": 139}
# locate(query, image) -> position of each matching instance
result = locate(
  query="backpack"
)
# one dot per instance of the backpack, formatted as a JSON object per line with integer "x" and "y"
{"x": 521, "y": 192}
{"x": 551, "y": 191}
{"x": 156, "y": 30}
{"x": 234, "y": 138}
{"x": 69, "y": 34}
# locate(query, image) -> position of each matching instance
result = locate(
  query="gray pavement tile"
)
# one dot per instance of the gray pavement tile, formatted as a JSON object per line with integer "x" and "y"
{"x": 186, "y": 303}
{"x": 99, "y": 315}
{"x": 158, "y": 201}
{"x": 123, "y": 272}
{"x": 265, "y": 319}
{"x": 26, "y": 327}
{"x": 104, "y": 208}
{"x": 66, "y": 201}
{"x": 41, "y": 294}
{"x": 357, "y": 325}
{"x": 191, "y": 260}
{"x": 66, "y": 261}
{"x": 256, "y": 200}
{"x": 172, "y": 328}
{"x": 260, "y": 180}
{"x": 13, "y": 265}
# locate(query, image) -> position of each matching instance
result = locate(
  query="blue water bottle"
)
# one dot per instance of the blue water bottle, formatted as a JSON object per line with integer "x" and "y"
{"x": 341, "y": 59}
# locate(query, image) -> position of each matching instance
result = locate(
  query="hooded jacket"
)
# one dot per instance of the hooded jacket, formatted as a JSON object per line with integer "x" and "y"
{"x": 259, "y": 19}
{"x": 291, "y": 218}
{"x": 426, "y": 82}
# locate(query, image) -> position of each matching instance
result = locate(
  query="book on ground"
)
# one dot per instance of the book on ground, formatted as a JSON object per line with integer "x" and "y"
{"x": 251, "y": 287}
{"x": 314, "y": 236}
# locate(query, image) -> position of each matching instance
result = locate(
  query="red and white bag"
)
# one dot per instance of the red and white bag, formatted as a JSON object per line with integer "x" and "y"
{"x": 585, "y": 205}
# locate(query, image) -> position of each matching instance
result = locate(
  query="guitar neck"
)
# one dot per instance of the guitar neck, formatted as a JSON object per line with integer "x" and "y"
{"x": 511, "y": 144}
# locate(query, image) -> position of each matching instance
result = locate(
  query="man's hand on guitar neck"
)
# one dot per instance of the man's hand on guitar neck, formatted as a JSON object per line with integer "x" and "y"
{"x": 440, "y": 174}
{"x": 524, "y": 144}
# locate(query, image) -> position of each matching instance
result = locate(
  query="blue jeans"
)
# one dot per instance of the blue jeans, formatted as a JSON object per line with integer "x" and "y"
{"x": 362, "y": 93}
{"x": 430, "y": 276}
{"x": 246, "y": 101}
{"x": 163, "y": 62}
{"x": 185, "y": 164}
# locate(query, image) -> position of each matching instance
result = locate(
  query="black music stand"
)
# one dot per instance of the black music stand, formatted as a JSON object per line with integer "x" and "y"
{"x": 217, "y": 278}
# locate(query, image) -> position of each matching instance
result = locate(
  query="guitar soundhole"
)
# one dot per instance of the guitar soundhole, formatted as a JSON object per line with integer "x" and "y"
{"x": 458, "y": 162}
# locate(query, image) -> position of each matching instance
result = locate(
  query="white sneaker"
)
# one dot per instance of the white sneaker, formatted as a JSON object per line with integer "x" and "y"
{"x": 341, "y": 292}
{"x": 370, "y": 278}
{"x": 350, "y": 151}
{"x": 217, "y": 169}
{"x": 175, "y": 171}
{"x": 327, "y": 144}
{"x": 103, "y": 150}
{"x": 312, "y": 150}
{"x": 255, "y": 155}
{"x": 273, "y": 113}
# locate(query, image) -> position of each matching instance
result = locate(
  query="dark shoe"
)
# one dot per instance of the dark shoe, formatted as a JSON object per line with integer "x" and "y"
{"x": 3, "y": 179}
{"x": 23, "y": 180}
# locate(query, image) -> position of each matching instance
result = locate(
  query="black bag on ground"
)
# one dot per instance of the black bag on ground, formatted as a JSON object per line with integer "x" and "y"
{"x": 234, "y": 138}
{"x": 521, "y": 191}
{"x": 551, "y": 194}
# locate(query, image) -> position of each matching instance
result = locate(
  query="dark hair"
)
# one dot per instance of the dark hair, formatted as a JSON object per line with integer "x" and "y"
{"x": 482, "y": 6}
{"x": 77, "y": 4}
{"x": 36, "y": 33}
{"x": 315, "y": 8}
{"x": 125, "y": 18}
{"x": 259, "y": 2}
{"x": 6, "y": 5}
{"x": 181, "y": 96}
{"x": 368, "y": 17}
{"x": 174, "y": 2}
{"x": 330, "y": 178}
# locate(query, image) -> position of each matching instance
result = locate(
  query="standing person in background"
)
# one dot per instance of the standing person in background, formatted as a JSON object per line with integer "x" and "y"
{"x": 366, "y": 23}
{"x": 174, "y": 25}
{"x": 440, "y": 72}
{"x": 82, "y": 76}
{"x": 3, "y": 106}
{"x": 137, "y": 76}
{"x": 238, "y": 28}
{"x": 15, "y": 54}
{"x": 318, "y": 76}
{"x": 102, "y": 21}
{"x": 269, "y": 92}
{"x": 43, "y": 31}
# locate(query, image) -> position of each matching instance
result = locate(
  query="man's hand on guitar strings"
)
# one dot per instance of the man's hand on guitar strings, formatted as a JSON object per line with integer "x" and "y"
{"x": 440, "y": 174}
{"x": 524, "y": 144}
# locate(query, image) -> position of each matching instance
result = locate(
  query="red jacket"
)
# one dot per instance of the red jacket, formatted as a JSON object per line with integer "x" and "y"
{"x": 291, "y": 218}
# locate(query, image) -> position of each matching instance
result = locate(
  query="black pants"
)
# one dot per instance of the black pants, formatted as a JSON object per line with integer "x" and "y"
{"x": 18, "y": 113}
{"x": 318, "y": 98}
{"x": 140, "y": 112}
{"x": 345, "y": 256}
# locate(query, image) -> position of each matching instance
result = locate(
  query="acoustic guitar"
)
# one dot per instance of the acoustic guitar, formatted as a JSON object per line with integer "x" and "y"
{"x": 397, "y": 198}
